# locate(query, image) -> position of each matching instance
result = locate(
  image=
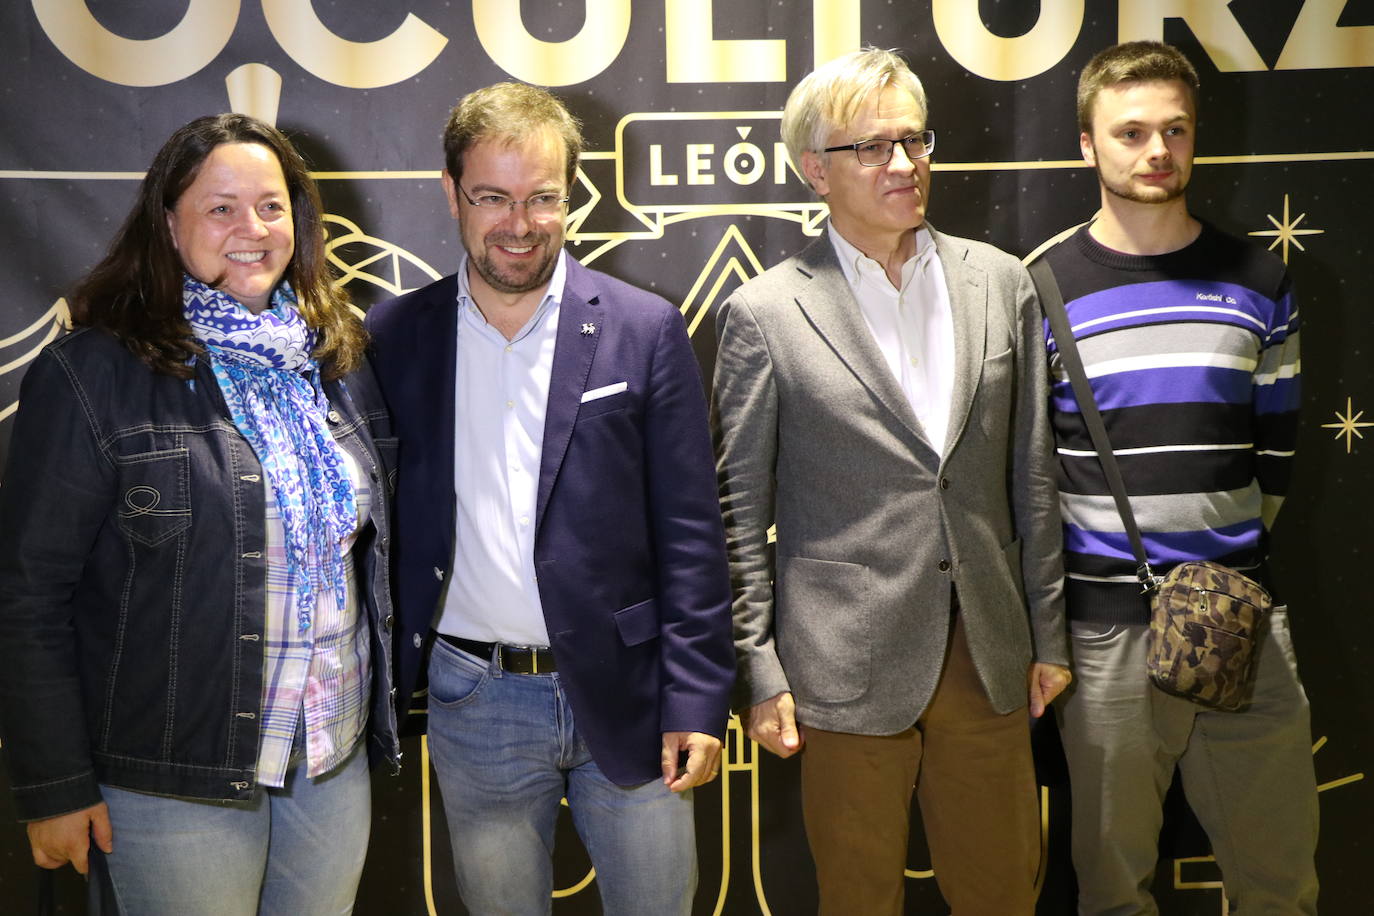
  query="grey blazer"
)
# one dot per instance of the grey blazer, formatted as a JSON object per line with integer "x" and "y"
{"x": 813, "y": 433}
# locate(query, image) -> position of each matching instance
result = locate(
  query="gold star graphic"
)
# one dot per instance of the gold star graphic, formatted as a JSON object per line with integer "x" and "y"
{"x": 1286, "y": 232}
{"x": 1349, "y": 425}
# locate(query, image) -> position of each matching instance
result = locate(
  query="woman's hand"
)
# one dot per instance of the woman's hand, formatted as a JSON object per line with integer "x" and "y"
{"x": 67, "y": 837}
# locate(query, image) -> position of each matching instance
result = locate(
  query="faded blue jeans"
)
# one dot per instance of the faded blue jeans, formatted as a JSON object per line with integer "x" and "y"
{"x": 507, "y": 752}
{"x": 293, "y": 851}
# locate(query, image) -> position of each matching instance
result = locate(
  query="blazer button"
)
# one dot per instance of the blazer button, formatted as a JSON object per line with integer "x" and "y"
{"x": 389, "y": 622}
{"x": 418, "y": 640}
{"x": 944, "y": 566}
{"x": 944, "y": 483}
{"x": 334, "y": 417}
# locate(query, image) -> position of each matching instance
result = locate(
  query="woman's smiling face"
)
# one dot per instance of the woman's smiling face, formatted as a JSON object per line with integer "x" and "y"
{"x": 232, "y": 225}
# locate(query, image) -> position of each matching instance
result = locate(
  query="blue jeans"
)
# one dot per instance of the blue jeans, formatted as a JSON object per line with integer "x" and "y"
{"x": 293, "y": 851}
{"x": 506, "y": 752}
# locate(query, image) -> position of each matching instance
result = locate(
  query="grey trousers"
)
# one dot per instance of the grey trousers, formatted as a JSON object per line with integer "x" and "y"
{"x": 1248, "y": 776}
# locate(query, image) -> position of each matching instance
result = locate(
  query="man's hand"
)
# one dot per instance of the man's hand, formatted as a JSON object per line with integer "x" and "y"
{"x": 1046, "y": 682}
{"x": 67, "y": 837}
{"x": 703, "y": 759}
{"x": 773, "y": 723}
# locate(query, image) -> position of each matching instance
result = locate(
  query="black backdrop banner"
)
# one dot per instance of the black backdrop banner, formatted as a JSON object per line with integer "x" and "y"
{"x": 686, "y": 190}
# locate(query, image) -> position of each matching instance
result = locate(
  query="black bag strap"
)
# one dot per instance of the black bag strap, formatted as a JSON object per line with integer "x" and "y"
{"x": 1052, "y": 301}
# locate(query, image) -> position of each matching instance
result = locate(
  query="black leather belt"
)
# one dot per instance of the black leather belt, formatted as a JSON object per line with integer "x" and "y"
{"x": 515, "y": 659}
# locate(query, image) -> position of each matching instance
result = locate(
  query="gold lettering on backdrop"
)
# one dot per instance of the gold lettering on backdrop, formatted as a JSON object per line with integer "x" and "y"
{"x": 190, "y": 45}
{"x": 727, "y": 159}
{"x": 657, "y": 177}
{"x": 1317, "y": 41}
{"x": 834, "y": 29}
{"x": 694, "y": 56}
{"x": 502, "y": 33}
{"x": 1210, "y": 21}
{"x": 960, "y": 28}
{"x": 352, "y": 64}
{"x": 699, "y": 163}
{"x": 254, "y": 89}
{"x": 746, "y": 154}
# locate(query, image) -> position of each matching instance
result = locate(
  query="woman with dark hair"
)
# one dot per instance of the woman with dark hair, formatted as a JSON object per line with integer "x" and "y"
{"x": 194, "y": 603}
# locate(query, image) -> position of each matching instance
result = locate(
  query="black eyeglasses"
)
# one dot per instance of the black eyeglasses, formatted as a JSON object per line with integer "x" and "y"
{"x": 537, "y": 205}
{"x": 878, "y": 151}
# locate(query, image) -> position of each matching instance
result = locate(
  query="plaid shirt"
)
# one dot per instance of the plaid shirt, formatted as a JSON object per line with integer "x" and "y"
{"x": 324, "y": 670}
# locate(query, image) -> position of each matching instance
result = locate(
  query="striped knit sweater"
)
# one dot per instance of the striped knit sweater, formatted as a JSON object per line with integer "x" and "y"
{"x": 1193, "y": 359}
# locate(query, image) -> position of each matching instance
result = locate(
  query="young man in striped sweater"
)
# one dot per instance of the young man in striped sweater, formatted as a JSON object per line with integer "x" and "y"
{"x": 1189, "y": 337}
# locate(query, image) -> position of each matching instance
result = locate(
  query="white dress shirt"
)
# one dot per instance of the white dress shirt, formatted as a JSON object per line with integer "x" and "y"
{"x": 913, "y": 326}
{"x": 501, "y": 391}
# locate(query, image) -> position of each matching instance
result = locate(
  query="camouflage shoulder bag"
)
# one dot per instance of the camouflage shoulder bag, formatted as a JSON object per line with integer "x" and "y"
{"x": 1206, "y": 619}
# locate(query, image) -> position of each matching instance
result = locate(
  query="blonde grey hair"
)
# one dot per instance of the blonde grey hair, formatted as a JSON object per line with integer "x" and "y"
{"x": 829, "y": 97}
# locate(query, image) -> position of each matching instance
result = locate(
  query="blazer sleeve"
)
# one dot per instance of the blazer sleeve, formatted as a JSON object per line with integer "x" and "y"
{"x": 745, "y": 427}
{"x": 1034, "y": 491}
{"x": 693, "y": 585}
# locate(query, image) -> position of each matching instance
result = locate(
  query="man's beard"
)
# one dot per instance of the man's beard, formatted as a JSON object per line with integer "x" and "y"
{"x": 1126, "y": 191}
{"x": 513, "y": 281}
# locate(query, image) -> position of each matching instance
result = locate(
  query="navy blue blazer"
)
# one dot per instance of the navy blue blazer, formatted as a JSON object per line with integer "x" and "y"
{"x": 629, "y": 547}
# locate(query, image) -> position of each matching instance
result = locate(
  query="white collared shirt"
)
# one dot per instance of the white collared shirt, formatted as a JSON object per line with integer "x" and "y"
{"x": 501, "y": 392}
{"x": 913, "y": 326}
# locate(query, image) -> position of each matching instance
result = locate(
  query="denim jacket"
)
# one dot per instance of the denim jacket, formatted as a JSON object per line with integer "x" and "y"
{"x": 132, "y": 579}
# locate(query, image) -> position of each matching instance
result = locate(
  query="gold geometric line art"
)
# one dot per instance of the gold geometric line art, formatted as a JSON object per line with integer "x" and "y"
{"x": 577, "y": 217}
{"x": 1007, "y": 166}
{"x": 1348, "y": 424}
{"x": 42, "y": 331}
{"x": 730, "y": 753}
{"x": 1335, "y": 783}
{"x": 742, "y": 743}
{"x": 58, "y": 316}
{"x": 392, "y": 256}
{"x": 1181, "y": 885}
{"x": 718, "y": 269}
{"x": 1286, "y": 232}
{"x": 426, "y": 830}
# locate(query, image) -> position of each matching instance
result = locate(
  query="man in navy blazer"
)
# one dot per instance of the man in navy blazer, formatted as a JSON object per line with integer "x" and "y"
{"x": 560, "y": 560}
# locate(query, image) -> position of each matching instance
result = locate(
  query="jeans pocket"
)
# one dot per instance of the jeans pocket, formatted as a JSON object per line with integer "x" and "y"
{"x": 455, "y": 678}
{"x": 155, "y": 494}
{"x": 1089, "y": 633}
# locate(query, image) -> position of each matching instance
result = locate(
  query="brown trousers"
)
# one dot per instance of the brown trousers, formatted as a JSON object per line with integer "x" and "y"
{"x": 974, "y": 779}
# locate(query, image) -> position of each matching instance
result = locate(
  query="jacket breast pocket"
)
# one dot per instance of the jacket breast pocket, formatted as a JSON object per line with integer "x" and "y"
{"x": 154, "y": 494}
{"x": 995, "y": 395}
{"x": 609, "y": 404}
{"x": 388, "y": 450}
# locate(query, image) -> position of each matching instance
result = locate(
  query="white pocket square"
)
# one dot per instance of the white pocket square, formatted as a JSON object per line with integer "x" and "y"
{"x": 604, "y": 391}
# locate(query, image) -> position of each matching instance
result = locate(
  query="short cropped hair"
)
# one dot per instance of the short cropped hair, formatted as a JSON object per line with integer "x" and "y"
{"x": 829, "y": 97}
{"x": 511, "y": 112}
{"x": 1130, "y": 62}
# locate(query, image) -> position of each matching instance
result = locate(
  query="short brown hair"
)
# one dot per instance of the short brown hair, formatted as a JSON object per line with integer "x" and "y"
{"x": 1132, "y": 61}
{"x": 511, "y": 112}
{"x": 135, "y": 290}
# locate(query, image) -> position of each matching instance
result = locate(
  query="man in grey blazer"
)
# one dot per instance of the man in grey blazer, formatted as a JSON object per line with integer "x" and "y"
{"x": 881, "y": 397}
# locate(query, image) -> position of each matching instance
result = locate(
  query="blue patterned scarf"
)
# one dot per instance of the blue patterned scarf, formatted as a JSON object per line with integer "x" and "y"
{"x": 272, "y": 386}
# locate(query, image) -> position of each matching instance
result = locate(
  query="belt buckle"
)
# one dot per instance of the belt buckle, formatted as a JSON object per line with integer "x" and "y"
{"x": 534, "y": 660}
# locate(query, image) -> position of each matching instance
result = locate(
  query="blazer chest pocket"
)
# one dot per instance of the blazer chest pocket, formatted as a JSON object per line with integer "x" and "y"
{"x": 154, "y": 501}
{"x": 603, "y": 405}
{"x": 995, "y": 395}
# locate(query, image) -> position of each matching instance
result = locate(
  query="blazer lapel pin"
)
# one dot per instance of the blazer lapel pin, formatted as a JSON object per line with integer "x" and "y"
{"x": 588, "y": 329}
